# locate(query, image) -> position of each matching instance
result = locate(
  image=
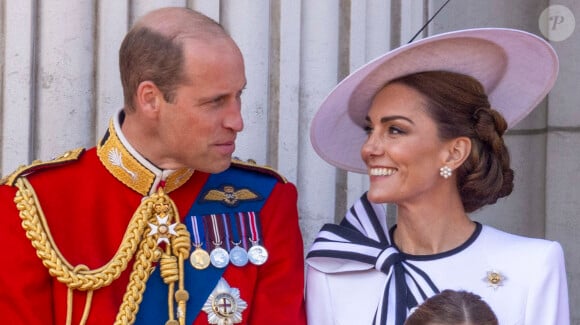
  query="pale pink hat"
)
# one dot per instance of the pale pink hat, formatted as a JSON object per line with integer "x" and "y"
{"x": 516, "y": 68}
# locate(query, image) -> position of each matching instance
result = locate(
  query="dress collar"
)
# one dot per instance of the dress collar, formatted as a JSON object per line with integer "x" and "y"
{"x": 131, "y": 168}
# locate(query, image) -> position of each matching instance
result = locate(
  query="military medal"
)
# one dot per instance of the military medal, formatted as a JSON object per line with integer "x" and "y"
{"x": 224, "y": 306}
{"x": 257, "y": 254}
{"x": 199, "y": 258}
{"x": 238, "y": 256}
{"x": 219, "y": 257}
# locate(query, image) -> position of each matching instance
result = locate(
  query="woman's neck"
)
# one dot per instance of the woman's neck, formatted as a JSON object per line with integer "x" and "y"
{"x": 431, "y": 231}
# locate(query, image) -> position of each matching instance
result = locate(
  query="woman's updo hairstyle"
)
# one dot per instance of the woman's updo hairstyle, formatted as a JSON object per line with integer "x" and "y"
{"x": 460, "y": 107}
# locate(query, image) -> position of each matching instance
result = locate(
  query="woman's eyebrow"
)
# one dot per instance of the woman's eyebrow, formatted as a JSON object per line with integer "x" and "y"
{"x": 386, "y": 119}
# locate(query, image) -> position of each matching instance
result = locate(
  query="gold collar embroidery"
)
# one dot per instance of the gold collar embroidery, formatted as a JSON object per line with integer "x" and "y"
{"x": 131, "y": 169}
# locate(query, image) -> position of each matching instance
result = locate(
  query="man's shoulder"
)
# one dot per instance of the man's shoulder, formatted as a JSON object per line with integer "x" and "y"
{"x": 40, "y": 165}
{"x": 252, "y": 167}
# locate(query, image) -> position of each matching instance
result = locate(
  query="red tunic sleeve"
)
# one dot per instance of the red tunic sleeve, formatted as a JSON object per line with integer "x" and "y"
{"x": 25, "y": 297}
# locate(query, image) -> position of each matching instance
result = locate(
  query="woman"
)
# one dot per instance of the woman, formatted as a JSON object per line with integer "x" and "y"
{"x": 453, "y": 308}
{"x": 425, "y": 122}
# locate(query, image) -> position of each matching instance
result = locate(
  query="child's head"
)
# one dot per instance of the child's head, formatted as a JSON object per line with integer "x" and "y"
{"x": 453, "y": 308}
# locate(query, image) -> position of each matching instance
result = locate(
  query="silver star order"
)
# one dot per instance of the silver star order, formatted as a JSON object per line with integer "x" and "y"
{"x": 224, "y": 306}
{"x": 162, "y": 229}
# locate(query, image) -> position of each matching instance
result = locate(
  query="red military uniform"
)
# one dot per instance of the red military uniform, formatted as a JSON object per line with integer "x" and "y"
{"x": 87, "y": 204}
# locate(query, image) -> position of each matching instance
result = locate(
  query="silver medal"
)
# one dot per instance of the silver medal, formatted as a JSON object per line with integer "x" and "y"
{"x": 238, "y": 256}
{"x": 257, "y": 254}
{"x": 219, "y": 257}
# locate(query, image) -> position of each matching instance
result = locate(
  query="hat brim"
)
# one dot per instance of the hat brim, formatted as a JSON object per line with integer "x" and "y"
{"x": 516, "y": 68}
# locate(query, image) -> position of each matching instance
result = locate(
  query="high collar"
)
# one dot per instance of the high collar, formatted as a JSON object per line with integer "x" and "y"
{"x": 131, "y": 168}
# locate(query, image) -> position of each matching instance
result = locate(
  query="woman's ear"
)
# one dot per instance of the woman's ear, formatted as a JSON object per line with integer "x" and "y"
{"x": 458, "y": 151}
{"x": 148, "y": 97}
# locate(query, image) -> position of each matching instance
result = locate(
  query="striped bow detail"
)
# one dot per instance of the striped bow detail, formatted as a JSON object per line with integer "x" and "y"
{"x": 362, "y": 242}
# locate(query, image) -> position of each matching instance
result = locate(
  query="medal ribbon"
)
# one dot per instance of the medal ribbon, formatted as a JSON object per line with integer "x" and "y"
{"x": 254, "y": 227}
{"x": 226, "y": 228}
{"x": 212, "y": 226}
{"x": 244, "y": 234}
{"x": 198, "y": 237}
{"x": 234, "y": 229}
{"x": 364, "y": 241}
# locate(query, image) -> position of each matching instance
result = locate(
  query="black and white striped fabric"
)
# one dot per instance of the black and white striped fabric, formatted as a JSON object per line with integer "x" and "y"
{"x": 363, "y": 240}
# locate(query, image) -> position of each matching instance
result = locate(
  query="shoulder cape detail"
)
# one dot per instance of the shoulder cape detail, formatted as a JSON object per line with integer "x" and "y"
{"x": 67, "y": 157}
{"x": 251, "y": 164}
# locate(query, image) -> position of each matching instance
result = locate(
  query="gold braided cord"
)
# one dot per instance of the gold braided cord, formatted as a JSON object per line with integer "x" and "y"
{"x": 168, "y": 268}
{"x": 69, "y": 307}
{"x": 148, "y": 253}
{"x": 181, "y": 295}
{"x": 87, "y": 307}
{"x": 142, "y": 268}
{"x": 36, "y": 227}
{"x": 145, "y": 250}
{"x": 181, "y": 245}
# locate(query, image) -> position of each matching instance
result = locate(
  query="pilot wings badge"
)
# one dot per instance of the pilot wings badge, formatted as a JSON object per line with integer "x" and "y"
{"x": 229, "y": 196}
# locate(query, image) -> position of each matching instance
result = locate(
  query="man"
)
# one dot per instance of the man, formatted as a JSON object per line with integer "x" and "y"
{"x": 156, "y": 225}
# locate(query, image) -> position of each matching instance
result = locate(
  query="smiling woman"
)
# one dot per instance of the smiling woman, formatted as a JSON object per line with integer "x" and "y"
{"x": 402, "y": 139}
{"x": 428, "y": 119}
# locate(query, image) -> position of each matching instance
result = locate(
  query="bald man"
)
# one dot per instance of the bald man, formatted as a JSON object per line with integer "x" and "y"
{"x": 156, "y": 224}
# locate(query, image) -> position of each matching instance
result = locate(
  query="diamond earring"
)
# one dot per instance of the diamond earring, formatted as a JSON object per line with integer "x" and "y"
{"x": 445, "y": 171}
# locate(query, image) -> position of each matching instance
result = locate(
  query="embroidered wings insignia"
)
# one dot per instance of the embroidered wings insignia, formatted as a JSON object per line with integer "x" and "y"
{"x": 230, "y": 196}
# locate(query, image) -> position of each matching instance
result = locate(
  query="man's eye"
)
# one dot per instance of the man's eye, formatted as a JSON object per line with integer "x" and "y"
{"x": 217, "y": 101}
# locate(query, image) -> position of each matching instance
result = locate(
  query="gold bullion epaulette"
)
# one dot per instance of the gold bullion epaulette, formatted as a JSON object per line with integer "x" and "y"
{"x": 251, "y": 164}
{"x": 36, "y": 165}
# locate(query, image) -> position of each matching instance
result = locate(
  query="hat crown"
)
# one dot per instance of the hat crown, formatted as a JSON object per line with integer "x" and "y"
{"x": 516, "y": 68}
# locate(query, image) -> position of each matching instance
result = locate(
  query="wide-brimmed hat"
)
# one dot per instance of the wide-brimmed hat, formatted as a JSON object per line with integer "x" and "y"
{"x": 516, "y": 68}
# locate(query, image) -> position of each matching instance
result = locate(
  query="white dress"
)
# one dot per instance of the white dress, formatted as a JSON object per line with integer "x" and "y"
{"x": 532, "y": 288}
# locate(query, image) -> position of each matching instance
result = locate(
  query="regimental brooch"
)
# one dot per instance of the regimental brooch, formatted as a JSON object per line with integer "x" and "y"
{"x": 224, "y": 306}
{"x": 494, "y": 279}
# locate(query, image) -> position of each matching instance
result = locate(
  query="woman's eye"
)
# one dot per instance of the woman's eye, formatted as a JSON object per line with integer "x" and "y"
{"x": 395, "y": 130}
{"x": 368, "y": 129}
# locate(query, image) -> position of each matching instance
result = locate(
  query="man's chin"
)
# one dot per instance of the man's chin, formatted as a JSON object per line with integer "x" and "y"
{"x": 216, "y": 167}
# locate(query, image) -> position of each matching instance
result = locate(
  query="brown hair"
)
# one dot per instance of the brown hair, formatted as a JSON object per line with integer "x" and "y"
{"x": 460, "y": 107}
{"x": 453, "y": 308}
{"x": 153, "y": 49}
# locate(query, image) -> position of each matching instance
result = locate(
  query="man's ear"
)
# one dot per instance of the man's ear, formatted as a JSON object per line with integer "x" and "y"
{"x": 148, "y": 97}
{"x": 458, "y": 150}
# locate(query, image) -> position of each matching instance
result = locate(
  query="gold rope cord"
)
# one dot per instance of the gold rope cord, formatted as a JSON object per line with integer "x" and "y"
{"x": 179, "y": 245}
{"x": 81, "y": 278}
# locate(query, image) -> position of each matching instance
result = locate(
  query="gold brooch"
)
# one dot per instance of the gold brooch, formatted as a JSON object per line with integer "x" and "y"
{"x": 494, "y": 279}
{"x": 224, "y": 306}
